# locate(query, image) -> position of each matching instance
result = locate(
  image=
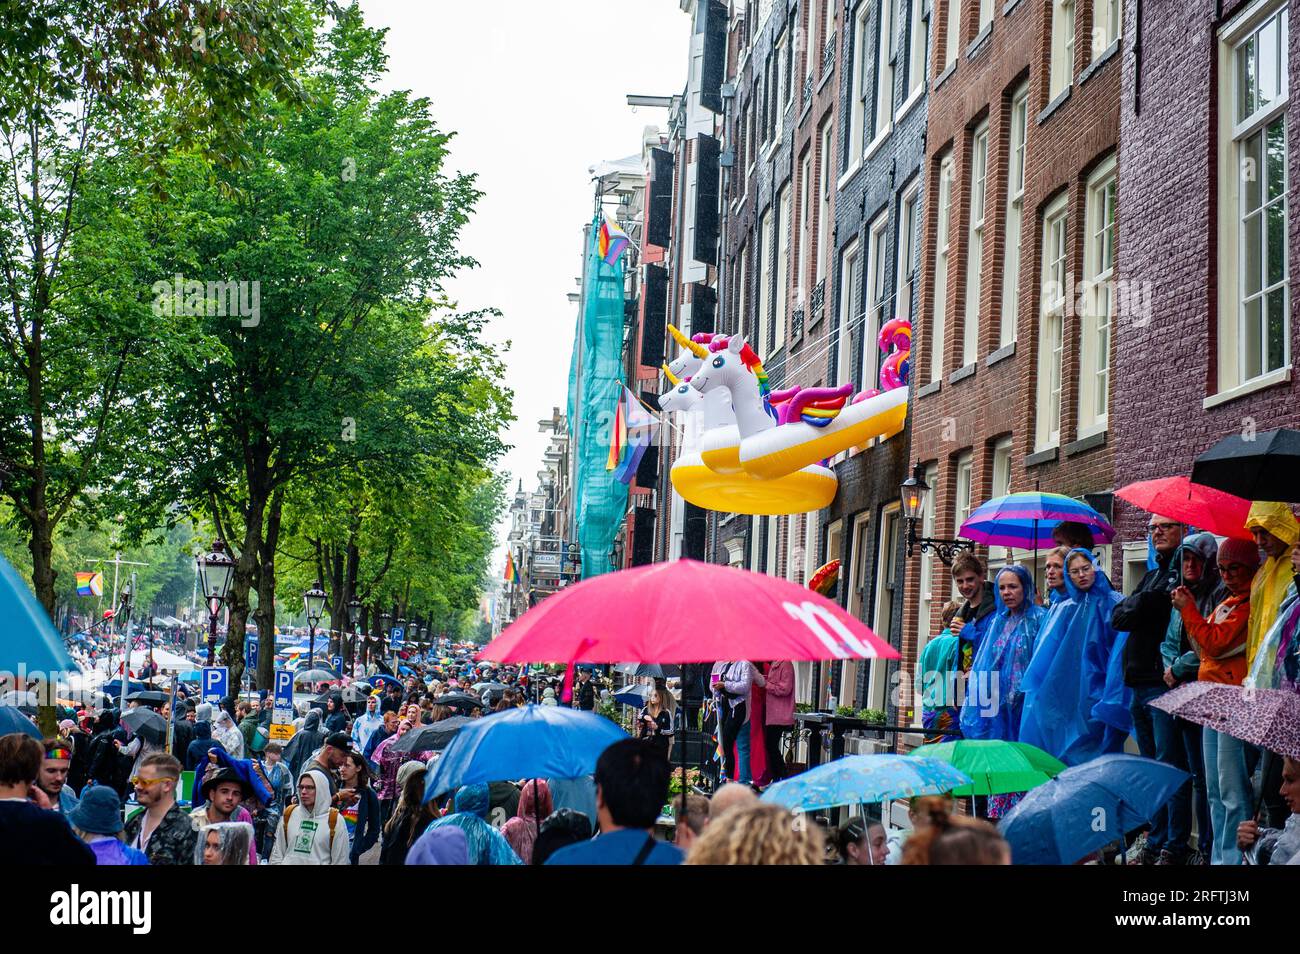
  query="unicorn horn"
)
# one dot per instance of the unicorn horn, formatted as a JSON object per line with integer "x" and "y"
{"x": 693, "y": 347}
{"x": 673, "y": 379}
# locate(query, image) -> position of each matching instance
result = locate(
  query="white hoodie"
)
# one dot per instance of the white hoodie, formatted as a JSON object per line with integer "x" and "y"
{"x": 308, "y": 840}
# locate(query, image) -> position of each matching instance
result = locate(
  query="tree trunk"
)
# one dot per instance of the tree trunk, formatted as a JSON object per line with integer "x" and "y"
{"x": 246, "y": 566}
{"x": 265, "y": 615}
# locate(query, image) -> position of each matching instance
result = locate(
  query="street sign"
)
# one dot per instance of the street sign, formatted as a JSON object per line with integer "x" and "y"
{"x": 281, "y": 732}
{"x": 337, "y": 663}
{"x": 216, "y": 682}
{"x": 397, "y": 635}
{"x": 282, "y": 705}
{"x": 250, "y": 654}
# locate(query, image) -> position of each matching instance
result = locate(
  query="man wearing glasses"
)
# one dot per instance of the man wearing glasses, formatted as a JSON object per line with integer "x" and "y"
{"x": 1144, "y": 615}
{"x": 162, "y": 831}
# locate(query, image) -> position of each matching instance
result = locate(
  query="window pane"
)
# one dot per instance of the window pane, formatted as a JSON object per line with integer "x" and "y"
{"x": 1275, "y": 170}
{"x": 1245, "y": 79}
{"x": 1251, "y": 254}
{"x": 1266, "y": 53}
{"x": 1251, "y": 339}
{"x": 1252, "y": 170}
{"x": 1276, "y": 328}
{"x": 1276, "y": 224}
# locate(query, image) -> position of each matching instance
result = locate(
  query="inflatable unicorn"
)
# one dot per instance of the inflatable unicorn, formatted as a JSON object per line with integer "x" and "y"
{"x": 783, "y": 432}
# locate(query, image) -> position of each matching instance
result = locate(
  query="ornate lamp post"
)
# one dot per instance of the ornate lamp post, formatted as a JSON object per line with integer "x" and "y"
{"x": 216, "y": 570}
{"x": 915, "y": 494}
{"x": 313, "y": 602}
{"x": 354, "y": 617}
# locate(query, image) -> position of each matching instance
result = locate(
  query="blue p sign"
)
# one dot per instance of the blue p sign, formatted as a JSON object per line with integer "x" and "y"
{"x": 283, "y": 689}
{"x": 337, "y": 662}
{"x": 216, "y": 679}
{"x": 250, "y": 651}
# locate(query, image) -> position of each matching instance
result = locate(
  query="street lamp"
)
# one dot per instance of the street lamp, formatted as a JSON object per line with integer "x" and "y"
{"x": 915, "y": 493}
{"x": 354, "y": 617}
{"x": 314, "y": 602}
{"x": 216, "y": 570}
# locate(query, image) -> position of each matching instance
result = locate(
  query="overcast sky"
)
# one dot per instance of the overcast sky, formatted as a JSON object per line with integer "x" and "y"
{"x": 535, "y": 92}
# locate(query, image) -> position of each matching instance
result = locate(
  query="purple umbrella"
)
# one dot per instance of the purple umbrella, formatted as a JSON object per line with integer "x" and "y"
{"x": 1269, "y": 718}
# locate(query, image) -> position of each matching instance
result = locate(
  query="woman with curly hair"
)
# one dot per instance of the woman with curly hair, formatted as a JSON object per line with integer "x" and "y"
{"x": 955, "y": 840}
{"x": 759, "y": 834}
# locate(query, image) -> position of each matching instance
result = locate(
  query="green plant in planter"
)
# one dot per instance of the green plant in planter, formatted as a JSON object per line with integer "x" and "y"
{"x": 847, "y": 712}
{"x": 874, "y": 716}
{"x": 803, "y": 707}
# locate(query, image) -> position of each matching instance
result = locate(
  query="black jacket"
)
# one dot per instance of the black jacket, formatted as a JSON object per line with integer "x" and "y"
{"x": 368, "y": 823}
{"x": 1144, "y": 615}
{"x": 584, "y": 695}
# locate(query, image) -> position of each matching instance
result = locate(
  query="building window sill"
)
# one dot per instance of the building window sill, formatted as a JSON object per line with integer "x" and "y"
{"x": 962, "y": 373}
{"x": 943, "y": 77}
{"x": 977, "y": 45}
{"x": 909, "y": 103}
{"x": 1006, "y": 351}
{"x": 874, "y": 146}
{"x": 1272, "y": 379}
{"x": 932, "y": 388}
{"x": 849, "y": 173}
{"x": 1106, "y": 56}
{"x": 1010, "y": 5}
{"x": 1055, "y": 104}
{"x": 1085, "y": 443}
{"x": 1044, "y": 456}
{"x": 822, "y": 82}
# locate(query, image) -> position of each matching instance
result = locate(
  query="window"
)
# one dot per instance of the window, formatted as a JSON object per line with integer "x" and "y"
{"x": 961, "y": 496}
{"x": 805, "y": 229}
{"x": 787, "y": 75}
{"x": 849, "y": 269}
{"x": 1062, "y": 62}
{"x": 938, "y": 318}
{"x": 975, "y": 247}
{"x": 812, "y": 527}
{"x": 807, "y": 39}
{"x": 763, "y": 275}
{"x": 916, "y": 49}
{"x": 909, "y": 213}
{"x": 859, "y": 600}
{"x": 773, "y": 534}
{"x": 781, "y": 80}
{"x": 742, "y": 289}
{"x": 782, "y": 270}
{"x": 861, "y": 88}
{"x": 828, "y": 28}
{"x": 1254, "y": 335}
{"x": 751, "y": 125}
{"x": 1051, "y": 334}
{"x": 1001, "y": 487}
{"x": 824, "y": 216}
{"x": 952, "y": 18}
{"x": 1015, "y": 215}
{"x": 1099, "y": 296}
{"x": 986, "y": 15}
{"x": 1107, "y": 21}
{"x": 925, "y": 613}
{"x": 886, "y": 594}
{"x": 884, "y": 70}
{"x": 877, "y": 268}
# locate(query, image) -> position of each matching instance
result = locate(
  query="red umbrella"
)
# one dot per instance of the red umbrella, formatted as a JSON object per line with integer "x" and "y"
{"x": 685, "y": 612}
{"x": 1202, "y": 507}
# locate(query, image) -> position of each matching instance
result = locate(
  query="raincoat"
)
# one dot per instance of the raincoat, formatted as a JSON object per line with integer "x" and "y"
{"x": 304, "y": 744}
{"x": 440, "y": 846}
{"x": 306, "y": 836}
{"x": 364, "y": 726}
{"x": 535, "y": 804}
{"x": 1176, "y": 651}
{"x": 1076, "y": 704}
{"x": 226, "y": 732}
{"x": 487, "y": 846}
{"x": 1277, "y": 661}
{"x": 1269, "y": 589}
{"x": 994, "y": 699}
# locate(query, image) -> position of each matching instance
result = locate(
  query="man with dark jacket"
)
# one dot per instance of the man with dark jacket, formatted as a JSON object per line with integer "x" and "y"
{"x": 584, "y": 691}
{"x": 182, "y": 729}
{"x": 163, "y": 831}
{"x": 1144, "y": 615}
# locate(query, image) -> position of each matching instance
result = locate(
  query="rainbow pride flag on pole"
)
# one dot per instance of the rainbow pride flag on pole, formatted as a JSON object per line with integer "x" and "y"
{"x": 90, "y": 584}
{"x": 640, "y": 428}
{"x": 510, "y": 566}
{"x": 617, "y": 436}
{"x": 611, "y": 241}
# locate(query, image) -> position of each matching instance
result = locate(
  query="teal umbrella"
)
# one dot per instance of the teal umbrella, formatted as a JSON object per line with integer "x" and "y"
{"x": 863, "y": 779}
{"x": 30, "y": 640}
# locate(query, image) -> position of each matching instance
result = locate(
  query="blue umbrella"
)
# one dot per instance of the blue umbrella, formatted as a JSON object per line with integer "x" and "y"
{"x": 379, "y": 680}
{"x": 523, "y": 742}
{"x": 864, "y": 779}
{"x": 11, "y": 721}
{"x": 114, "y": 689}
{"x": 633, "y": 695}
{"x": 1086, "y": 807}
{"x": 405, "y": 671}
{"x": 30, "y": 639}
{"x": 190, "y": 675}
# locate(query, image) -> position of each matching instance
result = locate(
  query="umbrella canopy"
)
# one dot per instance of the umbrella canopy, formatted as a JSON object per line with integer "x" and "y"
{"x": 318, "y": 666}
{"x": 114, "y": 688}
{"x": 313, "y": 676}
{"x": 29, "y": 638}
{"x": 1269, "y": 718}
{"x": 1026, "y": 520}
{"x": 994, "y": 766}
{"x": 524, "y": 742}
{"x": 637, "y": 694}
{"x": 190, "y": 675}
{"x": 381, "y": 679}
{"x": 1088, "y": 806}
{"x": 1194, "y": 504}
{"x": 146, "y": 723}
{"x": 431, "y": 738}
{"x": 724, "y": 613}
{"x": 490, "y": 687}
{"x": 649, "y": 670}
{"x": 11, "y": 720}
{"x": 460, "y": 700}
{"x": 1262, "y": 468}
{"x": 349, "y": 695}
{"x": 861, "y": 779}
{"x": 148, "y": 697}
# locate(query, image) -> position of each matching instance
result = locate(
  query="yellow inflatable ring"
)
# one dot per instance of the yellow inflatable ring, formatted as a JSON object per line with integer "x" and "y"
{"x": 811, "y": 488}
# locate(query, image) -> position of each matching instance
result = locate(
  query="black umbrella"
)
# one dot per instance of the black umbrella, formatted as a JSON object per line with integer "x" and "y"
{"x": 431, "y": 738}
{"x": 1260, "y": 468}
{"x": 459, "y": 700}
{"x": 148, "y": 697}
{"x": 146, "y": 723}
{"x": 648, "y": 670}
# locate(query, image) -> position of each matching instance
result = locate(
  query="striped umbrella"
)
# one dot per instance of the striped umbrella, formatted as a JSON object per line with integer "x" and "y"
{"x": 1026, "y": 520}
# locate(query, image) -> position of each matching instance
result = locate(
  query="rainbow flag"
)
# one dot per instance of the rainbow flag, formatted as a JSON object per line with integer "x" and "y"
{"x": 641, "y": 429}
{"x": 617, "y": 436}
{"x": 90, "y": 584}
{"x": 510, "y": 566}
{"x": 611, "y": 241}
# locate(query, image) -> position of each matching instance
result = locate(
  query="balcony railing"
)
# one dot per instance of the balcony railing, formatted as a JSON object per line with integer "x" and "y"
{"x": 818, "y": 301}
{"x": 796, "y": 324}
{"x": 807, "y": 91}
{"x": 828, "y": 55}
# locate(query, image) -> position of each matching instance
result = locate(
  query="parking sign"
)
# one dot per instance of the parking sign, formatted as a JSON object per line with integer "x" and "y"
{"x": 282, "y": 706}
{"x": 337, "y": 663}
{"x": 250, "y": 653}
{"x": 216, "y": 682}
{"x": 398, "y": 635}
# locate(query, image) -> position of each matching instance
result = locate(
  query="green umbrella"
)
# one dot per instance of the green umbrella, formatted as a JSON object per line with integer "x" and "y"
{"x": 995, "y": 767}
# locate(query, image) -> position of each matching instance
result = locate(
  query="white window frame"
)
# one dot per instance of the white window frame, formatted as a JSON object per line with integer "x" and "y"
{"x": 859, "y": 88}
{"x": 942, "y": 255}
{"x": 925, "y": 599}
{"x": 906, "y": 249}
{"x": 963, "y": 488}
{"x": 762, "y": 273}
{"x": 877, "y": 300}
{"x": 1051, "y": 326}
{"x": 883, "y": 609}
{"x": 884, "y": 112}
{"x": 1095, "y": 333}
{"x": 952, "y": 34}
{"x": 850, "y": 270}
{"x": 1061, "y": 71}
{"x": 784, "y": 209}
{"x": 1107, "y": 22}
{"x": 805, "y": 231}
{"x": 979, "y": 163}
{"x": 986, "y": 16}
{"x": 772, "y": 549}
{"x": 742, "y": 291}
{"x": 828, "y": 29}
{"x": 1001, "y": 486}
{"x": 1016, "y": 156}
{"x": 824, "y": 214}
{"x": 858, "y": 598}
{"x": 916, "y": 52}
{"x": 1239, "y": 171}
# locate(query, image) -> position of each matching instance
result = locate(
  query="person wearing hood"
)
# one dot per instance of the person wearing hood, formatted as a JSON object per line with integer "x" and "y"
{"x": 487, "y": 846}
{"x": 1277, "y": 660}
{"x": 311, "y": 832}
{"x": 535, "y": 804}
{"x": 248, "y": 727}
{"x": 336, "y": 716}
{"x": 107, "y": 766}
{"x": 365, "y": 725}
{"x": 305, "y": 742}
{"x": 1076, "y": 705}
{"x": 226, "y": 732}
{"x": 196, "y": 756}
{"x": 1220, "y": 642}
{"x": 993, "y": 702}
{"x": 441, "y": 846}
{"x": 1178, "y": 741}
{"x": 182, "y": 729}
{"x": 1054, "y": 570}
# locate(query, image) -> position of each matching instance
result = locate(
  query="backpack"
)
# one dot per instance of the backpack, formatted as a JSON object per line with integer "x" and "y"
{"x": 334, "y": 820}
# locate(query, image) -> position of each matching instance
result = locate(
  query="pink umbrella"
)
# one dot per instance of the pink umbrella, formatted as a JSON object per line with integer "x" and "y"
{"x": 1179, "y": 499}
{"x": 685, "y": 612}
{"x": 1269, "y": 718}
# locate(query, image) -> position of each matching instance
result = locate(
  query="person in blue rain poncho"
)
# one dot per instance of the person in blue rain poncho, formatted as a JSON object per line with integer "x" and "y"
{"x": 993, "y": 699}
{"x": 1076, "y": 705}
{"x": 487, "y": 846}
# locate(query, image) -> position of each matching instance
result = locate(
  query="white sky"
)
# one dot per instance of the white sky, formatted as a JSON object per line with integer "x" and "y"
{"x": 536, "y": 93}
